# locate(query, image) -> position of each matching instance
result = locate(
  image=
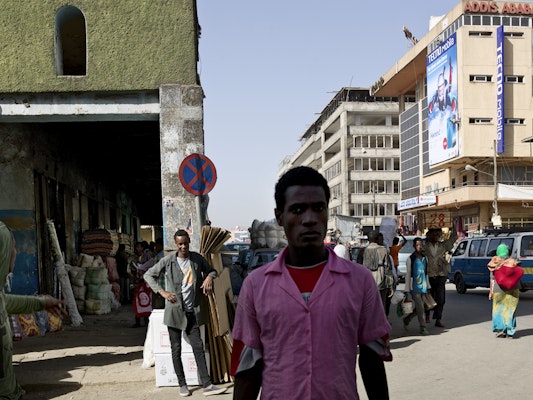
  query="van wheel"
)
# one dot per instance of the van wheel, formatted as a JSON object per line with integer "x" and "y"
{"x": 460, "y": 285}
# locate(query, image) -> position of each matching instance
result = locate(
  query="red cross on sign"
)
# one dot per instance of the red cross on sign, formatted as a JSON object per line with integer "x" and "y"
{"x": 197, "y": 174}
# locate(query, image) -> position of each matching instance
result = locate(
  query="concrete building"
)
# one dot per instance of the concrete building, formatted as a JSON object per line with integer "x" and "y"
{"x": 355, "y": 144}
{"x": 100, "y": 101}
{"x": 465, "y": 145}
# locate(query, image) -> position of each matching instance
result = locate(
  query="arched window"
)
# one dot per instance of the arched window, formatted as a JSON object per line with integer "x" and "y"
{"x": 70, "y": 42}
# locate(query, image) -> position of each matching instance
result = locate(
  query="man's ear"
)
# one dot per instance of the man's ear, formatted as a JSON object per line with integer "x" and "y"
{"x": 278, "y": 215}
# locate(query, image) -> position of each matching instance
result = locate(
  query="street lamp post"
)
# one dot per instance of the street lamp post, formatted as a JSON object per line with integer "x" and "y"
{"x": 496, "y": 219}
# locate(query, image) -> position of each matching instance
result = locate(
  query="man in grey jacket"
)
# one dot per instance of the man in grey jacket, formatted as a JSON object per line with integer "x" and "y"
{"x": 376, "y": 258}
{"x": 438, "y": 268}
{"x": 188, "y": 281}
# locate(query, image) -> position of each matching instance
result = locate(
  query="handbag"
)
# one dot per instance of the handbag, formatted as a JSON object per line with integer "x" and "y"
{"x": 142, "y": 300}
{"x": 429, "y": 301}
{"x": 508, "y": 277}
{"x": 407, "y": 307}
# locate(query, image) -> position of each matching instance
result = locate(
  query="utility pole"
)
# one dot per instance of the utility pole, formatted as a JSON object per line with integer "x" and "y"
{"x": 374, "y": 205}
{"x": 496, "y": 219}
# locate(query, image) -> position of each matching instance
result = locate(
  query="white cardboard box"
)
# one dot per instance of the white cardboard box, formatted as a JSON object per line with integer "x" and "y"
{"x": 160, "y": 339}
{"x": 164, "y": 369}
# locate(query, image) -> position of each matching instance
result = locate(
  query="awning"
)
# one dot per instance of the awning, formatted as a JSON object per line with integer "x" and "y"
{"x": 513, "y": 192}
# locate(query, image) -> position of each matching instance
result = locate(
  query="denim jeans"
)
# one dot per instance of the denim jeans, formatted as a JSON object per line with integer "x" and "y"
{"x": 193, "y": 334}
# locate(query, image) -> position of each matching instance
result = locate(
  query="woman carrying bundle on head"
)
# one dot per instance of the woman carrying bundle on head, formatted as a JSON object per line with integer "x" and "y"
{"x": 504, "y": 291}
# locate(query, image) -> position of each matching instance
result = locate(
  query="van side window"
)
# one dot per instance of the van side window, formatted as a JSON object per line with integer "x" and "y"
{"x": 474, "y": 246}
{"x": 526, "y": 246}
{"x": 482, "y": 248}
{"x": 491, "y": 251}
{"x": 494, "y": 243}
{"x": 477, "y": 248}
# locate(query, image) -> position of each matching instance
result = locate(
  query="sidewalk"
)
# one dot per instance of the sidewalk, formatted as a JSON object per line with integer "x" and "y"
{"x": 101, "y": 359}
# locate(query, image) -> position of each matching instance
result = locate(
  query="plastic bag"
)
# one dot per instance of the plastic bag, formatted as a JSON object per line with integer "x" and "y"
{"x": 397, "y": 297}
{"x": 404, "y": 307}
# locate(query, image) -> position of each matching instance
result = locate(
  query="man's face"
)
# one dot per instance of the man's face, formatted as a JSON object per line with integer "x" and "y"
{"x": 182, "y": 243}
{"x": 304, "y": 217}
{"x": 433, "y": 236}
{"x": 418, "y": 246}
{"x": 440, "y": 91}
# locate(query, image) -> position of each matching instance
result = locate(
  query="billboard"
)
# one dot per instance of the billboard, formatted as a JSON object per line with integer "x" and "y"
{"x": 441, "y": 67}
{"x": 500, "y": 110}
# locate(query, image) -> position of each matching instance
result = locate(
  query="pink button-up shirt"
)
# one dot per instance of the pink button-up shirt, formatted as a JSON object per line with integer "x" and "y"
{"x": 310, "y": 350}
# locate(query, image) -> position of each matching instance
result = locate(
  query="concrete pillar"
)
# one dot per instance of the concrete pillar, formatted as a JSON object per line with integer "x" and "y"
{"x": 181, "y": 134}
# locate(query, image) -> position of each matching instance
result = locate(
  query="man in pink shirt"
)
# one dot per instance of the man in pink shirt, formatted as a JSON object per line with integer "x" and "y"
{"x": 301, "y": 319}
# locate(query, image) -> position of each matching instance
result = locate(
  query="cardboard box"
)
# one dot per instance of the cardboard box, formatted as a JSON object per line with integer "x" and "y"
{"x": 160, "y": 338}
{"x": 164, "y": 369}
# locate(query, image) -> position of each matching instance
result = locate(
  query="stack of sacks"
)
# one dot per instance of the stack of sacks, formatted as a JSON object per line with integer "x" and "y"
{"x": 267, "y": 234}
{"x": 100, "y": 242}
{"x": 76, "y": 274}
{"x": 98, "y": 298}
{"x": 114, "y": 280}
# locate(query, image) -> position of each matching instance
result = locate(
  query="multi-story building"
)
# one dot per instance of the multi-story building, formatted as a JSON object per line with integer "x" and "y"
{"x": 466, "y": 144}
{"x": 100, "y": 103}
{"x": 355, "y": 144}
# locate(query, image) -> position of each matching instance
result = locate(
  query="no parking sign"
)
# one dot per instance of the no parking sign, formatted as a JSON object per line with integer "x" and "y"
{"x": 198, "y": 174}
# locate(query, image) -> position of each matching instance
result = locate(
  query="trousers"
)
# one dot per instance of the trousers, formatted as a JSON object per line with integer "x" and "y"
{"x": 193, "y": 334}
{"x": 438, "y": 291}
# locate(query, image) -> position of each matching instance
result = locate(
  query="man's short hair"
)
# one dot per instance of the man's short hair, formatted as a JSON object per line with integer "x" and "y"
{"x": 417, "y": 239}
{"x": 181, "y": 232}
{"x": 299, "y": 176}
{"x": 396, "y": 240}
{"x": 373, "y": 236}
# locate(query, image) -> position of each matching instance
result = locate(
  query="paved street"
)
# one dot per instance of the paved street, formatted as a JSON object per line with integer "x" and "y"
{"x": 102, "y": 358}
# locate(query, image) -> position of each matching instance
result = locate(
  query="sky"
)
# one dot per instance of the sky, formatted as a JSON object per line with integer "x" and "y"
{"x": 269, "y": 68}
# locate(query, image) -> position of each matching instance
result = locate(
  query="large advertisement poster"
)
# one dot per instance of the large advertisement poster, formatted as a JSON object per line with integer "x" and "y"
{"x": 499, "y": 89}
{"x": 442, "y": 108}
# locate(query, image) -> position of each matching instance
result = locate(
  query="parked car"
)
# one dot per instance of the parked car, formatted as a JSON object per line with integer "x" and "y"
{"x": 248, "y": 260}
{"x": 468, "y": 264}
{"x": 404, "y": 253}
{"x": 235, "y": 246}
{"x": 233, "y": 249}
{"x": 260, "y": 257}
{"x": 230, "y": 253}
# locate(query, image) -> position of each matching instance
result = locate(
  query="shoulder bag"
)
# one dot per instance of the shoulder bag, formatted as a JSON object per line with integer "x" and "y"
{"x": 429, "y": 301}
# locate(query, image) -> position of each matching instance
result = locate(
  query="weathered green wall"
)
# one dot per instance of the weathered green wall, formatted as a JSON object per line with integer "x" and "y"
{"x": 131, "y": 45}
